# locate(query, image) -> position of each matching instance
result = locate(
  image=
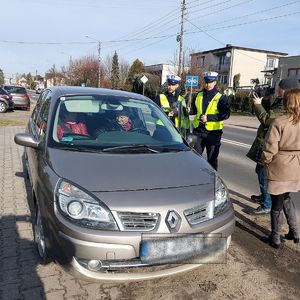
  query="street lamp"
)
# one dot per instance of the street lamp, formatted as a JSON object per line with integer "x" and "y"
{"x": 99, "y": 58}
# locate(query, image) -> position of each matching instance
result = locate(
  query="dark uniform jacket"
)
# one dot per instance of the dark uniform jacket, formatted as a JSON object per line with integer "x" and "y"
{"x": 173, "y": 101}
{"x": 171, "y": 98}
{"x": 223, "y": 108}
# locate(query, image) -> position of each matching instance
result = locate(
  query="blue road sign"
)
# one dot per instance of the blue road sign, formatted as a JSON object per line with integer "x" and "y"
{"x": 191, "y": 80}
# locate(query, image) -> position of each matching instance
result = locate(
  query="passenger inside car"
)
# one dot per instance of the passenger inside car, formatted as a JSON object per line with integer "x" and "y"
{"x": 122, "y": 120}
{"x": 68, "y": 123}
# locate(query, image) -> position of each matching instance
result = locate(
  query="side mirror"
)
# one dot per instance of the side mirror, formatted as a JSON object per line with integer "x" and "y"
{"x": 26, "y": 140}
{"x": 192, "y": 140}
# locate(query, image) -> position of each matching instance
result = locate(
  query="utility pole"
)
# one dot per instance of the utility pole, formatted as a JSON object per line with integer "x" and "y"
{"x": 180, "y": 39}
{"x": 99, "y": 59}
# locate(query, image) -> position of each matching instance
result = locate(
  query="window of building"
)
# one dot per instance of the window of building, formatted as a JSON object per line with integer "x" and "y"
{"x": 270, "y": 62}
{"x": 200, "y": 61}
{"x": 223, "y": 79}
{"x": 223, "y": 60}
{"x": 294, "y": 73}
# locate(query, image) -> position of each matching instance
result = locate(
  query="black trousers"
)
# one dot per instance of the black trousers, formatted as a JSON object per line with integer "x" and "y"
{"x": 278, "y": 201}
{"x": 211, "y": 141}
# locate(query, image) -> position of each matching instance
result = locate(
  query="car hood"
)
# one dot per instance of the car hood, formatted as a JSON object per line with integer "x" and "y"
{"x": 99, "y": 172}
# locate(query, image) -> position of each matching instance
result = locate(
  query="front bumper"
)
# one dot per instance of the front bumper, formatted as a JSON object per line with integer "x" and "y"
{"x": 121, "y": 262}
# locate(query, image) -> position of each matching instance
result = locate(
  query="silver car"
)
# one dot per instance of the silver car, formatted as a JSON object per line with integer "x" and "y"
{"x": 118, "y": 193}
{"x": 20, "y": 96}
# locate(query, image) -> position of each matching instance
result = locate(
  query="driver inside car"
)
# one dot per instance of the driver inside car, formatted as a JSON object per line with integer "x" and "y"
{"x": 68, "y": 123}
{"x": 124, "y": 121}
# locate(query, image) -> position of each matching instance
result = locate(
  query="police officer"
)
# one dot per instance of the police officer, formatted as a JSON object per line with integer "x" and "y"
{"x": 210, "y": 108}
{"x": 171, "y": 100}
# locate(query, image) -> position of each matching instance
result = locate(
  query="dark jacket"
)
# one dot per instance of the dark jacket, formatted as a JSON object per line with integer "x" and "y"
{"x": 171, "y": 98}
{"x": 266, "y": 117}
{"x": 173, "y": 102}
{"x": 223, "y": 108}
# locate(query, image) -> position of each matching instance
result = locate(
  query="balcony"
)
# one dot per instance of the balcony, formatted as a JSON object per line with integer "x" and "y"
{"x": 266, "y": 68}
{"x": 224, "y": 68}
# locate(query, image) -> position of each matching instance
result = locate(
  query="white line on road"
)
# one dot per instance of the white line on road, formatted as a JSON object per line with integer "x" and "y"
{"x": 236, "y": 143}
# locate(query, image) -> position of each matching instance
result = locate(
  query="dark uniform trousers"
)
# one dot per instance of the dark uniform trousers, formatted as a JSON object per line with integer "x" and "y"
{"x": 211, "y": 140}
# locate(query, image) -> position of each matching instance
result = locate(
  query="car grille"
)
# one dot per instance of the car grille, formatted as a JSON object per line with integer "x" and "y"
{"x": 199, "y": 213}
{"x": 138, "y": 221}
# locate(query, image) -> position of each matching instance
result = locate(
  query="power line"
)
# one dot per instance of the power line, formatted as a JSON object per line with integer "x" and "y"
{"x": 247, "y": 15}
{"x": 222, "y": 43}
{"x": 151, "y": 37}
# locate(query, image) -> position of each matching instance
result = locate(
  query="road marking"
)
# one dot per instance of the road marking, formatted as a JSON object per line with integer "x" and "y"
{"x": 236, "y": 143}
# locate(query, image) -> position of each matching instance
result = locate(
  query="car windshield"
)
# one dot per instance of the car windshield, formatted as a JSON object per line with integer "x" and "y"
{"x": 15, "y": 89}
{"x": 113, "y": 124}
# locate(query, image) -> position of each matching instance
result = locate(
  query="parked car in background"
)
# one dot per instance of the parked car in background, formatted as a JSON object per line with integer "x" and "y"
{"x": 6, "y": 101}
{"x": 118, "y": 193}
{"x": 20, "y": 96}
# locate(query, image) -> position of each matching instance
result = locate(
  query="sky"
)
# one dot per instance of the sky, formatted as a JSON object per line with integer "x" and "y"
{"x": 37, "y": 34}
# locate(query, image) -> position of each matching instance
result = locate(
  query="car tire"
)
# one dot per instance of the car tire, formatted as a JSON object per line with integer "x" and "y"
{"x": 3, "y": 107}
{"x": 39, "y": 238}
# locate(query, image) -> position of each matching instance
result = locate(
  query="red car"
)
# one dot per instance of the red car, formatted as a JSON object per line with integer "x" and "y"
{"x": 6, "y": 101}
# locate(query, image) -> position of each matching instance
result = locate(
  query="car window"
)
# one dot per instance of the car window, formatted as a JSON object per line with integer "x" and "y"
{"x": 40, "y": 116}
{"x": 15, "y": 89}
{"x": 99, "y": 122}
{"x": 3, "y": 91}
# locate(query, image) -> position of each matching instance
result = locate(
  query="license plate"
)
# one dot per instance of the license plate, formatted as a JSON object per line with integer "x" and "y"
{"x": 195, "y": 248}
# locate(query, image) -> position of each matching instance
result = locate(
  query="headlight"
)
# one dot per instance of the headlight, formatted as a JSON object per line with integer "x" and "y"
{"x": 79, "y": 207}
{"x": 221, "y": 196}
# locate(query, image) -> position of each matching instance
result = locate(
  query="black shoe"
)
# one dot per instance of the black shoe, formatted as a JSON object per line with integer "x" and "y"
{"x": 290, "y": 236}
{"x": 257, "y": 198}
{"x": 268, "y": 240}
{"x": 274, "y": 245}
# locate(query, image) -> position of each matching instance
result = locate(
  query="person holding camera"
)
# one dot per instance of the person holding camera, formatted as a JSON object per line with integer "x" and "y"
{"x": 266, "y": 116}
{"x": 210, "y": 108}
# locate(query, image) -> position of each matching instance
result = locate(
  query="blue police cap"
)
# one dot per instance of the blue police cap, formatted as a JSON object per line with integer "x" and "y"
{"x": 210, "y": 76}
{"x": 173, "y": 79}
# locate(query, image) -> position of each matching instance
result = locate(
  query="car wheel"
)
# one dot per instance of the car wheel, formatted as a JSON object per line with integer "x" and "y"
{"x": 39, "y": 237}
{"x": 3, "y": 107}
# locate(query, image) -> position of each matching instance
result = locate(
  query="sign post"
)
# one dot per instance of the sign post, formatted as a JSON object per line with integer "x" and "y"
{"x": 144, "y": 79}
{"x": 191, "y": 81}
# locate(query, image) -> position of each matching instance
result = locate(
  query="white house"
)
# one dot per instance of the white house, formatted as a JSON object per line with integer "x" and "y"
{"x": 162, "y": 70}
{"x": 231, "y": 60}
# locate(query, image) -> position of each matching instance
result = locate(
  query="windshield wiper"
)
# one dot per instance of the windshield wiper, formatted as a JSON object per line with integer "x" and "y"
{"x": 80, "y": 149}
{"x": 133, "y": 147}
{"x": 172, "y": 149}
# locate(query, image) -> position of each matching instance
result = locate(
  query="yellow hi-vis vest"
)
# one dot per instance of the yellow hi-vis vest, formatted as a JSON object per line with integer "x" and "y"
{"x": 212, "y": 109}
{"x": 165, "y": 105}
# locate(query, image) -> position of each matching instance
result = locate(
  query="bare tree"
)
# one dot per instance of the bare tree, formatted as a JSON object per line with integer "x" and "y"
{"x": 107, "y": 63}
{"x": 83, "y": 71}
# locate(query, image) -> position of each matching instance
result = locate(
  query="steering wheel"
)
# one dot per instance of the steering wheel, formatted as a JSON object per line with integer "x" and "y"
{"x": 140, "y": 130}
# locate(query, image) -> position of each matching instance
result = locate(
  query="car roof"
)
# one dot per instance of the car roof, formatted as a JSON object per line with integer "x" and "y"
{"x": 59, "y": 91}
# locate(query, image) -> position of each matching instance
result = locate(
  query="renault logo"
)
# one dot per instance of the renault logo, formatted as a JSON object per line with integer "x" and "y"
{"x": 173, "y": 220}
